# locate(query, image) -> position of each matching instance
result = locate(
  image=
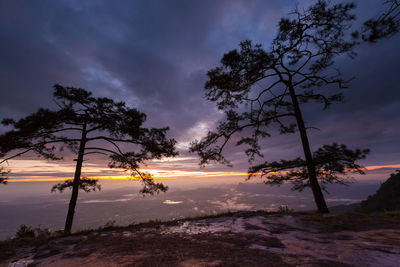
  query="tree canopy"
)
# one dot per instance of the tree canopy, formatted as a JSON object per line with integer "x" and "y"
{"x": 383, "y": 26}
{"x": 3, "y": 176}
{"x": 333, "y": 163}
{"x": 87, "y": 125}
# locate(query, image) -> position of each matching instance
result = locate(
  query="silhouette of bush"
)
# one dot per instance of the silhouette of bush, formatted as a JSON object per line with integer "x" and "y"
{"x": 284, "y": 209}
{"x": 25, "y": 232}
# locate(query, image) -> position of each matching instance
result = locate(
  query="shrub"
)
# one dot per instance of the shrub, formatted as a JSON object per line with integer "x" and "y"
{"x": 25, "y": 232}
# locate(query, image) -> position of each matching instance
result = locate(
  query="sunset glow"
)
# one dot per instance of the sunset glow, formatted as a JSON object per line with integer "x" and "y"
{"x": 45, "y": 171}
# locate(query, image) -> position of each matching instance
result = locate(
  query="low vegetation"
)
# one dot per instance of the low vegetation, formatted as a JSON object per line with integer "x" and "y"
{"x": 24, "y": 237}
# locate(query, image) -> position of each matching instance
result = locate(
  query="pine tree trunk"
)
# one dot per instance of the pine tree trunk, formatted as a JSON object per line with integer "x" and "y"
{"x": 75, "y": 185}
{"x": 316, "y": 189}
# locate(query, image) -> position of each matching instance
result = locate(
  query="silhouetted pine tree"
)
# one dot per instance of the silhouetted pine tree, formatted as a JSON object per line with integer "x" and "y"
{"x": 88, "y": 125}
{"x": 257, "y": 88}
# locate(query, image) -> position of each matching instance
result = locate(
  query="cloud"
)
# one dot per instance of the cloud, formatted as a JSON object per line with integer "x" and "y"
{"x": 155, "y": 56}
{"x": 171, "y": 202}
{"x": 91, "y": 201}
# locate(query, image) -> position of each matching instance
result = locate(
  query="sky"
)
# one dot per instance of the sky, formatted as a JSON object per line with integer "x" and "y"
{"x": 154, "y": 55}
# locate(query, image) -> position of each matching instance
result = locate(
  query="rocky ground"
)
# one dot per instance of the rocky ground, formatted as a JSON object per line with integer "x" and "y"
{"x": 242, "y": 239}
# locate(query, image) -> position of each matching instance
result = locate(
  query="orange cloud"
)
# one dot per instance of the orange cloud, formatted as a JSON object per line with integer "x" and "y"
{"x": 383, "y": 166}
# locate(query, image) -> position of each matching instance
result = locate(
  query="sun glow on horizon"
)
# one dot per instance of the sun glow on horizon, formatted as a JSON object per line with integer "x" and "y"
{"x": 40, "y": 170}
{"x": 394, "y": 166}
{"x": 157, "y": 175}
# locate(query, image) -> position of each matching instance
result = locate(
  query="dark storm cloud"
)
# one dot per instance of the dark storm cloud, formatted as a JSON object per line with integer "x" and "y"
{"x": 154, "y": 55}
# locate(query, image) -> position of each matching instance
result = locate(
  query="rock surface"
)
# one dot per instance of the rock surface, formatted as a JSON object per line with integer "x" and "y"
{"x": 248, "y": 240}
